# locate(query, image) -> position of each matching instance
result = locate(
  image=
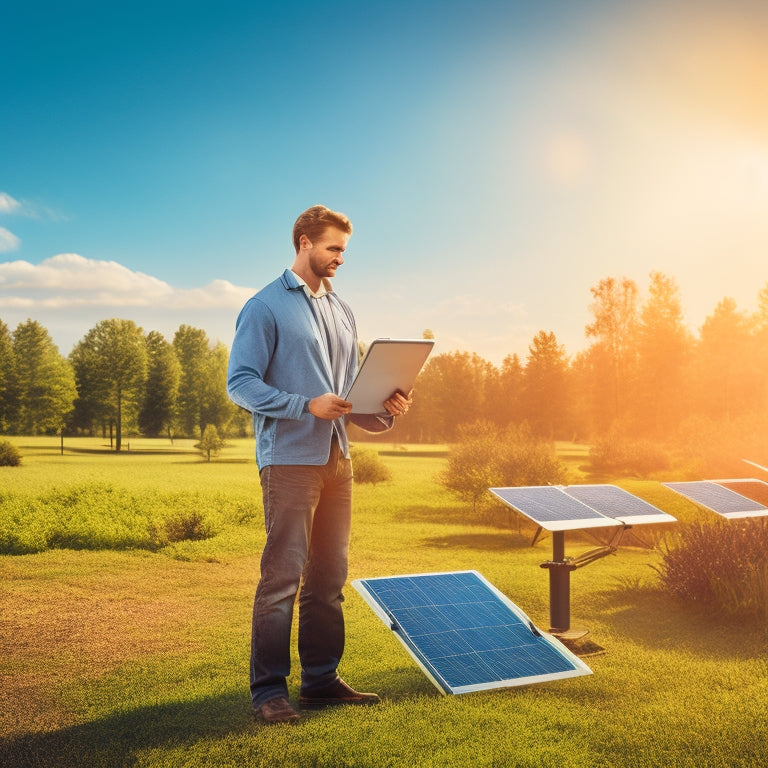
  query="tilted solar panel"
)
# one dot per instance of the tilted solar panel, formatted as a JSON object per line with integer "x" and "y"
{"x": 465, "y": 634}
{"x": 719, "y": 499}
{"x": 552, "y": 508}
{"x": 615, "y": 502}
{"x": 757, "y": 490}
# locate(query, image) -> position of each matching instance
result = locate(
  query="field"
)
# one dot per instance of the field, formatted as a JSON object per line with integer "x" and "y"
{"x": 136, "y": 653}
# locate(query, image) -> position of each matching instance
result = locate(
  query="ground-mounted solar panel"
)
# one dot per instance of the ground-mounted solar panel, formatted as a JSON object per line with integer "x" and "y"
{"x": 465, "y": 634}
{"x": 615, "y": 502}
{"x": 757, "y": 490}
{"x": 552, "y": 508}
{"x": 719, "y": 499}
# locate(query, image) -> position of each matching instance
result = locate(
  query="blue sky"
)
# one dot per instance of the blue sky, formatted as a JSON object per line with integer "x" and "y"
{"x": 496, "y": 158}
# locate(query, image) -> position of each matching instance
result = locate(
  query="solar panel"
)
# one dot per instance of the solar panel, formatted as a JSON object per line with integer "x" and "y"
{"x": 551, "y": 508}
{"x": 719, "y": 499}
{"x": 615, "y": 502}
{"x": 757, "y": 490}
{"x": 465, "y": 634}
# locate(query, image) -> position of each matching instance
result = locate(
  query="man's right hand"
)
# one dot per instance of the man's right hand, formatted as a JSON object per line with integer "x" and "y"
{"x": 329, "y": 406}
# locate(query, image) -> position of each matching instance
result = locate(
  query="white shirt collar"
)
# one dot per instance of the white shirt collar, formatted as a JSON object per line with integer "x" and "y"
{"x": 325, "y": 287}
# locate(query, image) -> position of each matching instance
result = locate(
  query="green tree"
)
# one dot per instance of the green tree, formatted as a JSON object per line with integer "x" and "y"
{"x": 192, "y": 351}
{"x": 451, "y": 390}
{"x": 7, "y": 378}
{"x": 43, "y": 381}
{"x": 162, "y": 387}
{"x": 546, "y": 387}
{"x": 211, "y": 443}
{"x": 215, "y": 405}
{"x": 111, "y": 369}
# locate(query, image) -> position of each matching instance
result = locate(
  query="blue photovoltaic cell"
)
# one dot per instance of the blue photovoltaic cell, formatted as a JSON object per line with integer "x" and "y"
{"x": 552, "y": 508}
{"x": 465, "y": 634}
{"x": 619, "y": 504}
{"x": 719, "y": 499}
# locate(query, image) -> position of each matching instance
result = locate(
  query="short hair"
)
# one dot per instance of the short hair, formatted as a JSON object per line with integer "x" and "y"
{"x": 315, "y": 220}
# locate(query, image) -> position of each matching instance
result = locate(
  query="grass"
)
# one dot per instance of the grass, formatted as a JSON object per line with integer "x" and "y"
{"x": 139, "y": 658}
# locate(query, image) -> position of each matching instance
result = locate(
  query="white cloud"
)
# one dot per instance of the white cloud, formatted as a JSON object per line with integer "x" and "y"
{"x": 8, "y": 204}
{"x": 71, "y": 280}
{"x": 8, "y": 241}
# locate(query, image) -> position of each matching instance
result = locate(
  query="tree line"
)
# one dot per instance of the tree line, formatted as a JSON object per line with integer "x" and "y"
{"x": 117, "y": 380}
{"x": 643, "y": 373}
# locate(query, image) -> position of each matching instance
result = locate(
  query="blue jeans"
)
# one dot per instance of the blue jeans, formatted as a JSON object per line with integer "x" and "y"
{"x": 307, "y": 512}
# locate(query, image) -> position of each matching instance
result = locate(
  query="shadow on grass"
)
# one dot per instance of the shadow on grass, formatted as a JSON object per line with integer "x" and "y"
{"x": 654, "y": 619}
{"x": 118, "y": 740}
{"x": 486, "y": 542}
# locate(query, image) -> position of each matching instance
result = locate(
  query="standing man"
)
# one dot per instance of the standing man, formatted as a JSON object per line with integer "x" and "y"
{"x": 293, "y": 357}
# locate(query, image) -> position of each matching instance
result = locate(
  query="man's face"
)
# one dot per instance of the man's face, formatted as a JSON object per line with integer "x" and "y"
{"x": 326, "y": 252}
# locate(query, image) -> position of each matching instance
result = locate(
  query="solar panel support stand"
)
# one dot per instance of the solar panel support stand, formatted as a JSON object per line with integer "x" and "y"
{"x": 560, "y": 591}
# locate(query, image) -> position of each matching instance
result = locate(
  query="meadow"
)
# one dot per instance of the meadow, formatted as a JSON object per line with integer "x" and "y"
{"x": 127, "y": 584}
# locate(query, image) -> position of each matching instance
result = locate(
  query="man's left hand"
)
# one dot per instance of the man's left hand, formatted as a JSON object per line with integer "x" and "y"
{"x": 398, "y": 404}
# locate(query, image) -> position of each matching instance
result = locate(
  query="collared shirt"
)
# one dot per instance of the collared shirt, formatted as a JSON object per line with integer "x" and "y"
{"x": 337, "y": 337}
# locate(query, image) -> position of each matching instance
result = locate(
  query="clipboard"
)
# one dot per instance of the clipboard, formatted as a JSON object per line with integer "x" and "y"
{"x": 389, "y": 365}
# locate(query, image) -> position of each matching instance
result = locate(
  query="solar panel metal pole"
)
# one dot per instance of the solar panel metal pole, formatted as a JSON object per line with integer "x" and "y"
{"x": 559, "y": 585}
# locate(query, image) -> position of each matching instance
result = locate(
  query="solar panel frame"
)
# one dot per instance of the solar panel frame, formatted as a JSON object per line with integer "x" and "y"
{"x": 472, "y": 642}
{"x": 605, "y": 498}
{"x": 552, "y": 508}
{"x": 720, "y": 500}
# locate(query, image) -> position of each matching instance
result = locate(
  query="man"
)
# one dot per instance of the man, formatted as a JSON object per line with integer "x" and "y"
{"x": 293, "y": 357}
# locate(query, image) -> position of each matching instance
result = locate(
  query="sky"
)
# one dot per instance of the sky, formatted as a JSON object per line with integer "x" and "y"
{"x": 496, "y": 158}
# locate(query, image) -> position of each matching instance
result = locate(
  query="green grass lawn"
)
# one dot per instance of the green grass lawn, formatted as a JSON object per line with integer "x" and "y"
{"x": 139, "y": 657}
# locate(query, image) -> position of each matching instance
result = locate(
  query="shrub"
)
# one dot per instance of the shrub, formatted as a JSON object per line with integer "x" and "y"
{"x": 723, "y": 565}
{"x": 615, "y": 452}
{"x": 486, "y": 457}
{"x": 10, "y": 456}
{"x": 368, "y": 466}
{"x": 188, "y": 526}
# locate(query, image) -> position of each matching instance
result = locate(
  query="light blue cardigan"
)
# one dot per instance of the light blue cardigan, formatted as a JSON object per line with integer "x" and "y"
{"x": 277, "y": 364}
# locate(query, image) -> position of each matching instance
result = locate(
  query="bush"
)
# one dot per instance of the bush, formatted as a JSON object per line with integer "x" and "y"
{"x": 368, "y": 466}
{"x": 10, "y": 456}
{"x": 615, "y": 452}
{"x": 485, "y": 457}
{"x": 723, "y": 565}
{"x": 188, "y": 526}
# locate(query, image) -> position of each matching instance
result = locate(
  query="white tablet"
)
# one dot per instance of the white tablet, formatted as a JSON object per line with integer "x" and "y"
{"x": 389, "y": 365}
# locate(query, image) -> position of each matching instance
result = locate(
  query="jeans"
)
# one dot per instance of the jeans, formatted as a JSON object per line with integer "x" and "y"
{"x": 307, "y": 512}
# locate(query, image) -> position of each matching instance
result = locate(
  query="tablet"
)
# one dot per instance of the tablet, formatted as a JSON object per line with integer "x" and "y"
{"x": 388, "y": 366}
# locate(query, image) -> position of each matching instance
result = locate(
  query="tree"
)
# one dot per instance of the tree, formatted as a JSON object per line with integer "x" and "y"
{"x": 546, "y": 387}
{"x": 210, "y": 443}
{"x": 505, "y": 392}
{"x": 162, "y": 387}
{"x": 7, "y": 378}
{"x": 727, "y": 378}
{"x": 451, "y": 390}
{"x": 664, "y": 346}
{"x": 192, "y": 350}
{"x": 43, "y": 381}
{"x": 215, "y": 405}
{"x": 111, "y": 369}
{"x": 615, "y": 328}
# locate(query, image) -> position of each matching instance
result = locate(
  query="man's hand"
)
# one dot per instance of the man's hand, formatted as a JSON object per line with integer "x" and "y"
{"x": 398, "y": 404}
{"x": 329, "y": 406}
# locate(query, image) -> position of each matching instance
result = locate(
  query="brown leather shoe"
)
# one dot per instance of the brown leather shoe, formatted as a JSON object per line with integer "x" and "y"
{"x": 278, "y": 710}
{"x": 335, "y": 694}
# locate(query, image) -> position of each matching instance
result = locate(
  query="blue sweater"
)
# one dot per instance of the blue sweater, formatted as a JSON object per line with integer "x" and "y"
{"x": 277, "y": 364}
